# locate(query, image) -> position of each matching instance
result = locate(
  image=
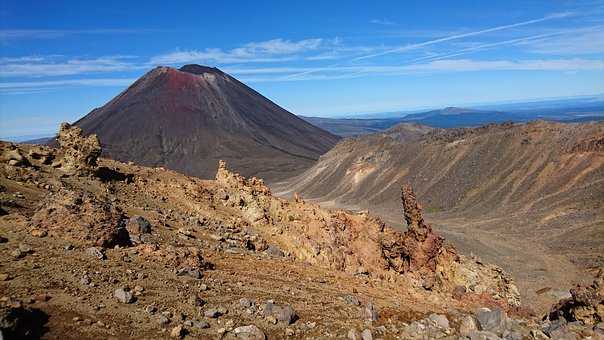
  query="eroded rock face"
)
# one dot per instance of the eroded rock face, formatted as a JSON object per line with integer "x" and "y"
{"x": 586, "y": 303}
{"x": 79, "y": 153}
{"x": 361, "y": 244}
{"x": 590, "y": 145}
{"x": 186, "y": 260}
{"x": 13, "y": 155}
{"x": 82, "y": 216}
{"x": 251, "y": 196}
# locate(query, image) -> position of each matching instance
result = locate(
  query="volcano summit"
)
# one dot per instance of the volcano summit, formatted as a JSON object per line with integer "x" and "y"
{"x": 187, "y": 119}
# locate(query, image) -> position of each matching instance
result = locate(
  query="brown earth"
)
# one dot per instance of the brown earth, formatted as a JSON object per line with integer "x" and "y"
{"x": 529, "y": 197}
{"x": 189, "y": 118}
{"x": 111, "y": 249}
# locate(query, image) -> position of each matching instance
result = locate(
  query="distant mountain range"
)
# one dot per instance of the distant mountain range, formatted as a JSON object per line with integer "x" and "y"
{"x": 352, "y": 127}
{"x": 453, "y": 117}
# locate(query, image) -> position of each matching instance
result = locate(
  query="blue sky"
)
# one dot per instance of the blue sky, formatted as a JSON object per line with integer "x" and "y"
{"x": 60, "y": 59}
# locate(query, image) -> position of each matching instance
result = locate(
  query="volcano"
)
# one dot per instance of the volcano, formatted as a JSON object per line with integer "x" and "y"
{"x": 189, "y": 118}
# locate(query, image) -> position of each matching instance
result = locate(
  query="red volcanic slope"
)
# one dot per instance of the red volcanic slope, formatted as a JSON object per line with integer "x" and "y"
{"x": 188, "y": 119}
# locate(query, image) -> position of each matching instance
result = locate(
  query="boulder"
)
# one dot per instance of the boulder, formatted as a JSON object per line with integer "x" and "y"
{"x": 282, "y": 313}
{"x": 250, "y": 332}
{"x": 353, "y": 334}
{"x": 138, "y": 225}
{"x": 177, "y": 332}
{"x": 439, "y": 320}
{"x": 467, "y": 325}
{"x": 123, "y": 295}
{"x": 586, "y": 303}
{"x": 491, "y": 320}
{"x": 370, "y": 313}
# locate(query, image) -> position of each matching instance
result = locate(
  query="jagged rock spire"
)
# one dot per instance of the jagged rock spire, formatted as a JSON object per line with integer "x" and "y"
{"x": 422, "y": 245}
{"x": 412, "y": 209}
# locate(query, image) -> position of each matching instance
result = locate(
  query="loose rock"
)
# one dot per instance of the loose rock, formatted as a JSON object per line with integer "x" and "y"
{"x": 201, "y": 324}
{"x": 439, "y": 320}
{"x": 123, "y": 296}
{"x": 282, "y": 313}
{"x": 212, "y": 313}
{"x": 370, "y": 312}
{"x": 138, "y": 225}
{"x": 163, "y": 320}
{"x": 490, "y": 320}
{"x": 95, "y": 252}
{"x": 39, "y": 233}
{"x": 353, "y": 335}
{"x": 177, "y": 332}
{"x": 467, "y": 325}
{"x": 251, "y": 332}
{"x": 352, "y": 300}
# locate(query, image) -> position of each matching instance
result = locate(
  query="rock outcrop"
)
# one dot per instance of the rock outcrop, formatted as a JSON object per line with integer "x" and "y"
{"x": 422, "y": 248}
{"x": 595, "y": 144}
{"x": 79, "y": 153}
{"x": 362, "y": 244}
{"x": 82, "y": 216}
{"x": 251, "y": 196}
{"x": 586, "y": 304}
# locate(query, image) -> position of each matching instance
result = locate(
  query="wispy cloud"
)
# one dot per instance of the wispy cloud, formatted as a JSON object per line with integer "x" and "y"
{"x": 410, "y": 47}
{"x": 433, "y": 66}
{"x": 383, "y": 22}
{"x": 351, "y": 60}
{"x": 464, "y": 35}
{"x": 45, "y": 66}
{"x": 16, "y": 34}
{"x": 589, "y": 41}
{"x": 482, "y": 47}
{"x": 275, "y": 74}
{"x": 13, "y": 87}
{"x": 465, "y": 65}
{"x": 266, "y": 51}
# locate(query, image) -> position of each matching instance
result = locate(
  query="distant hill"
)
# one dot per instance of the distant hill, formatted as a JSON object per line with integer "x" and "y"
{"x": 351, "y": 127}
{"x": 187, "y": 119}
{"x": 460, "y": 117}
{"x": 580, "y": 110}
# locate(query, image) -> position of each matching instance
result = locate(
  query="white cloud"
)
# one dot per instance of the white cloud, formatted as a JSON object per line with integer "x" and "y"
{"x": 482, "y": 47}
{"x": 452, "y": 37}
{"x": 577, "y": 42}
{"x": 383, "y": 22}
{"x": 22, "y": 87}
{"x": 280, "y": 46}
{"x": 274, "y": 50}
{"x": 49, "y": 66}
{"x": 465, "y": 65}
{"x": 435, "y": 66}
{"x": 19, "y": 34}
{"x": 465, "y": 35}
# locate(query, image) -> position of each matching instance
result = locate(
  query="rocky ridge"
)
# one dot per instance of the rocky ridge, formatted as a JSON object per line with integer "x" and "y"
{"x": 509, "y": 192}
{"x": 120, "y": 250}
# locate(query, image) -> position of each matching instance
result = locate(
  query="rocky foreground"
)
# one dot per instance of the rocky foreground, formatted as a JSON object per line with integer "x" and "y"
{"x": 93, "y": 248}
